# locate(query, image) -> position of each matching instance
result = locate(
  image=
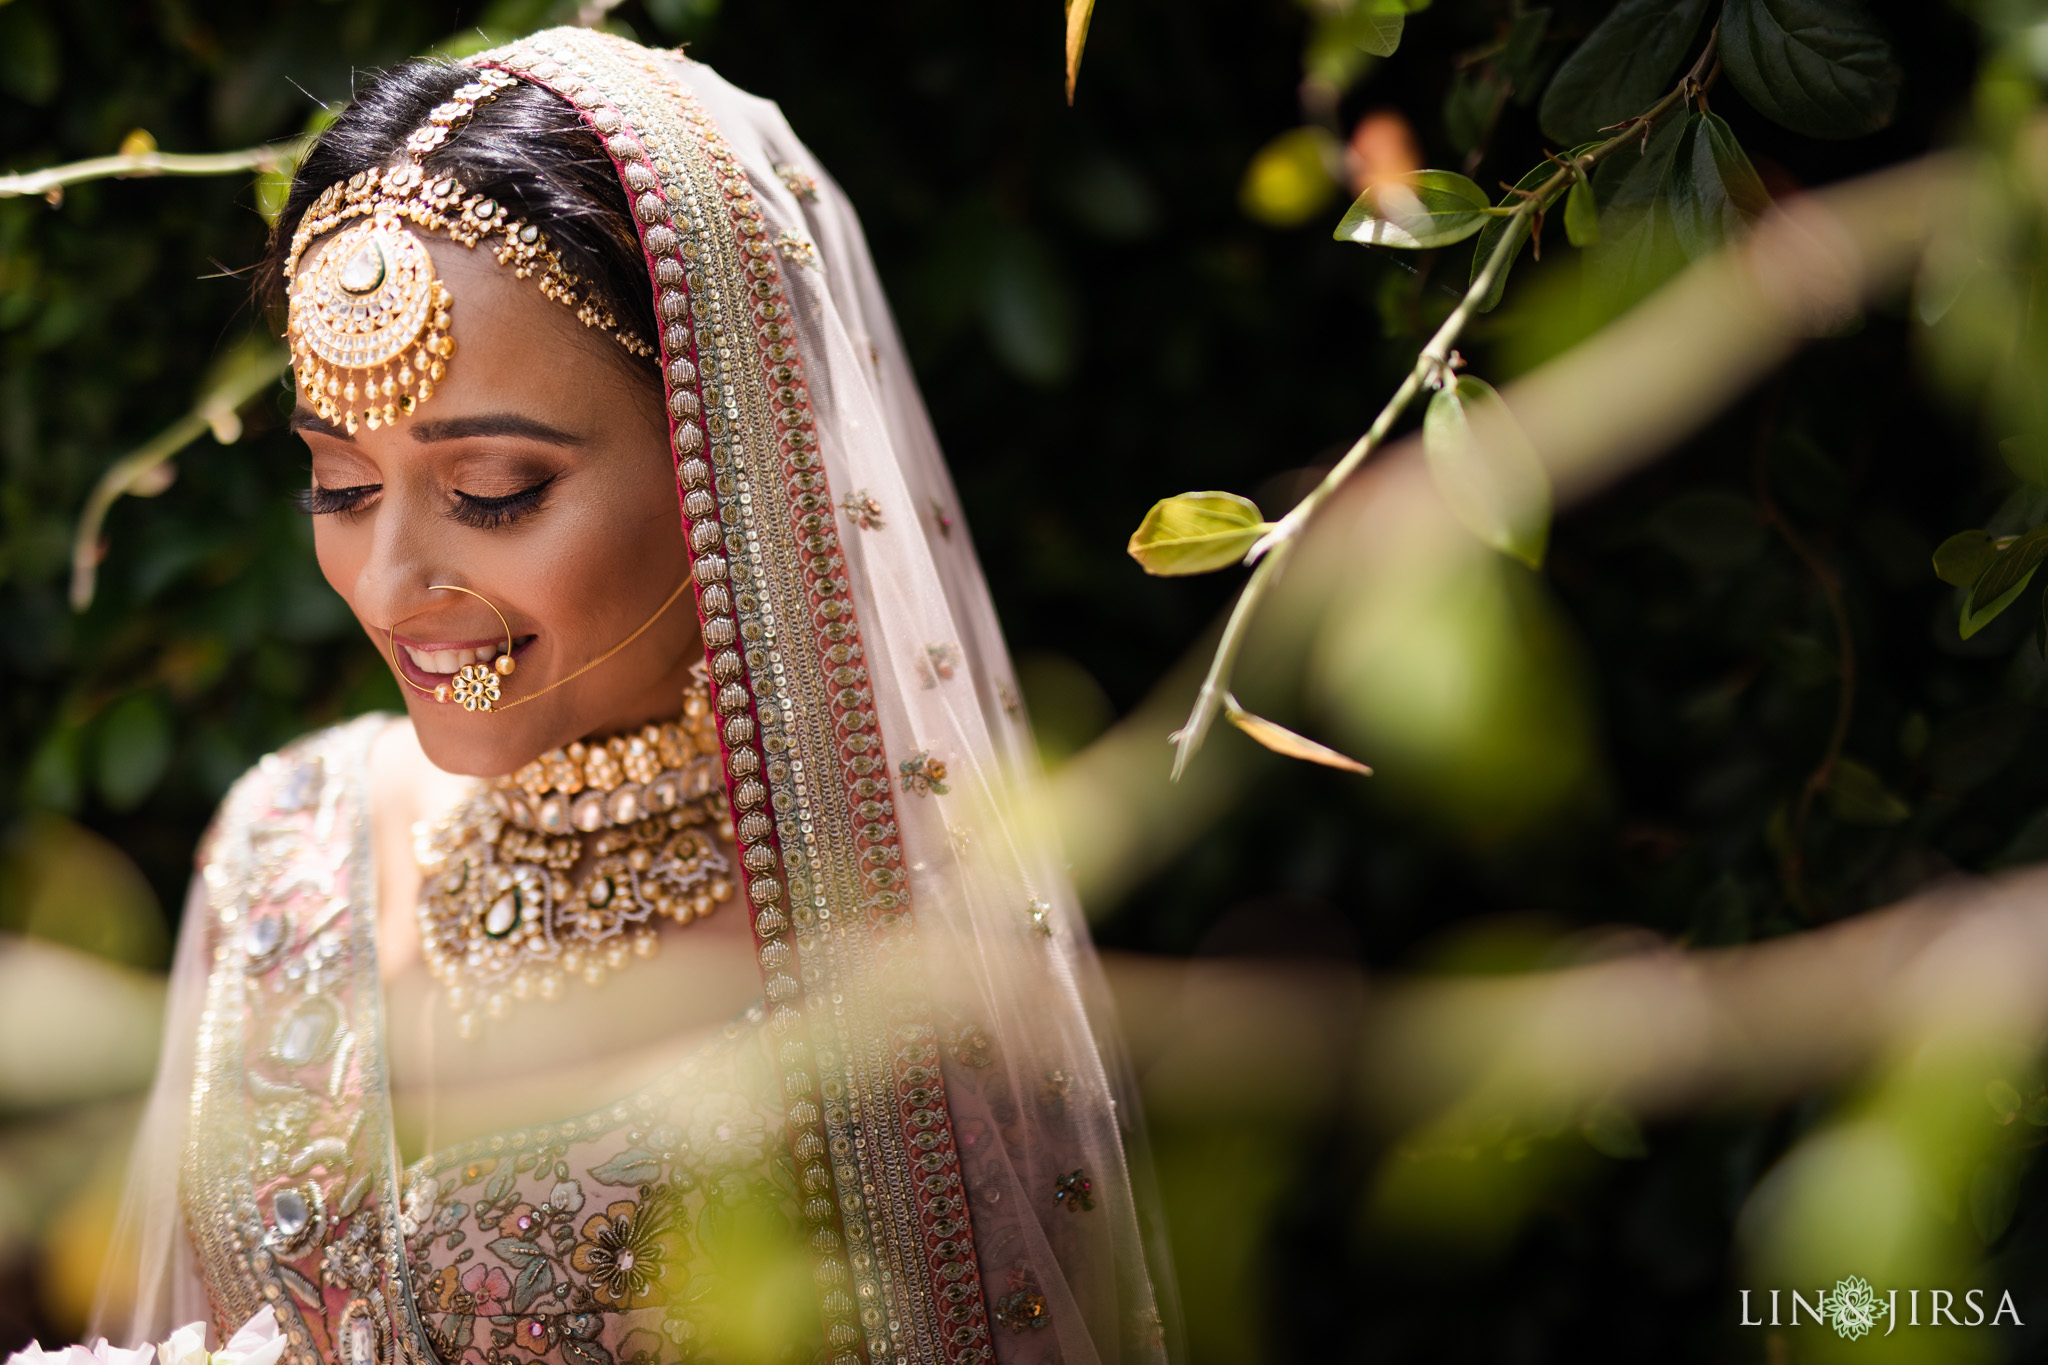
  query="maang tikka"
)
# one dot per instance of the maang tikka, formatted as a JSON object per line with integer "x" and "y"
{"x": 368, "y": 323}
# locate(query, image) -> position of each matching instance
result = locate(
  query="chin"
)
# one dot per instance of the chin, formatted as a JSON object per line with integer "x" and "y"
{"x": 470, "y": 743}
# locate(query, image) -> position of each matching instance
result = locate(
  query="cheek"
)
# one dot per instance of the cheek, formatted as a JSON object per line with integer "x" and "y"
{"x": 341, "y": 549}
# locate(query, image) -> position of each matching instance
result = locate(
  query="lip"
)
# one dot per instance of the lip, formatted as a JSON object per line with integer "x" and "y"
{"x": 426, "y": 681}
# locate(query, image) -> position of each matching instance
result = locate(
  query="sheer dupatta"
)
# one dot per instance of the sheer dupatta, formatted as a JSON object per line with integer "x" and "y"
{"x": 950, "y": 1081}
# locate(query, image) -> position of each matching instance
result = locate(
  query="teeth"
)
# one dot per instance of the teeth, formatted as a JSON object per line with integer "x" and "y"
{"x": 446, "y": 661}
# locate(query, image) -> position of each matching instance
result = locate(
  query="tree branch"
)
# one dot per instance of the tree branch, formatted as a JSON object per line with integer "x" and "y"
{"x": 1435, "y": 360}
{"x": 270, "y": 157}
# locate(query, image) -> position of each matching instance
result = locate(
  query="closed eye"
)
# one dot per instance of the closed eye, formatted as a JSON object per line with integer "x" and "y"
{"x": 488, "y": 514}
{"x": 323, "y": 502}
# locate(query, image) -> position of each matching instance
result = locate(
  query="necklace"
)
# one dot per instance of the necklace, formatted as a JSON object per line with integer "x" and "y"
{"x": 644, "y": 814}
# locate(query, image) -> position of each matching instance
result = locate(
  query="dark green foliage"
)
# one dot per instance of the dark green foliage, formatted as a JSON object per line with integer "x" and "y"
{"x": 1820, "y": 67}
{"x": 1622, "y": 68}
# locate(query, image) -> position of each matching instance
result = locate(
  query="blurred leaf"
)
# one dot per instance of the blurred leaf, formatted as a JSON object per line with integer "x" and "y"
{"x": 1471, "y": 104}
{"x": 1522, "y": 58}
{"x": 63, "y": 883}
{"x": 1079, "y": 12}
{"x": 1027, "y": 309}
{"x": 1819, "y": 67}
{"x": 1715, "y": 192}
{"x": 1067, "y": 705}
{"x": 1487, "y": 471}
{"x": 1424, "y": 209}
{"x": 1515, "y": 229}
{"x": 1995, "y": 1192}
{"x": 2003, "y": 1099}
{"x": 30, "y": 67}
{"x": 1612, "y": 1131}
{"x": 1709, "y": 529}
{"x": 1581, "y": 215}
{"x": 1625, "y": 65}
{"x": 1290, "y": 179}
{"x": 1282, "y": 740}
{"x": 1196, "y": 533}
{"x": 1963, "y": 557}
{"x": 134, "y": 748}
{"x": 1858, "y": 796}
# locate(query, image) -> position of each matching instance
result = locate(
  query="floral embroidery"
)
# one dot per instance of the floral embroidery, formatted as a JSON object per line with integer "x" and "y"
{"x": 487, "y": 1286}
{"x": 943, "y": 519}
{"x": 1013, "y": 705}
{"x": 797, "y": 249}
{"x": 1052, "y": 1091}
{"x": 1040, "y": 912}
{"x": 863, "y": 509}
{"x": 969, "y": 1045}
{"x": 1023, "y": 1309}
{"x": 938, "y": 665}
{"x": 622, "y": 1253}
{"x": 1075, "y": 1190}
{"x": 800, "y": 185}
{"x": 594, "y": 1241}
{"x": 924, "y": 775}
{"x": 725, "y": 1135}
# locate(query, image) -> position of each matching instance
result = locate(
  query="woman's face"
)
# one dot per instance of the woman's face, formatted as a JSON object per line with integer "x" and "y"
{"x": 539, "y": 476}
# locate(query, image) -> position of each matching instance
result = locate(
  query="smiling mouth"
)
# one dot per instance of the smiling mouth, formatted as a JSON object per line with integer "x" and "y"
{"x": 429, "y": 666}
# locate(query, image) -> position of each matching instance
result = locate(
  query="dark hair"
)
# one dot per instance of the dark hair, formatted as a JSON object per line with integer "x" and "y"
{"x": 526, "y": 148}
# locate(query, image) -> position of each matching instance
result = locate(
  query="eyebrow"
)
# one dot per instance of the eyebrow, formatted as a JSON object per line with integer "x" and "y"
{"x": 454, "y": 428}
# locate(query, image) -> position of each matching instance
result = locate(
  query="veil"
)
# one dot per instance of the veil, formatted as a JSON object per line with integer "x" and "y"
{"x": 941, "y": 1022}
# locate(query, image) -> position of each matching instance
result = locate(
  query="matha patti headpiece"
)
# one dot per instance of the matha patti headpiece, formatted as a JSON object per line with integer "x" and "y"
{"x": 369, "y": 322}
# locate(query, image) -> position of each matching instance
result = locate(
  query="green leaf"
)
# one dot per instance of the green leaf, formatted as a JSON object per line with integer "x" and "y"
{"x": 1963, "y": 557}
{"x": 1820, "y": 67}
{"x": 2007, "y": 574}
{"x": 1471, "y": 104}
{"x": 1516, "y": 229}
{"x": 1196, "y": 533}
{"x": 1623, "y": 67}
{"x": 1581, "y": 214}
{"x": 1423, "y": 210}
{"x": 134, "y": 750}
{"x": 2004, "y": 1100}
{"x": 634, "y": 1166}
{"x": 1282, "y": 740}
{"x": 1523, "y": 59}
{"x": 1858, "y": 796}
{"x": 1638, "y": 247}
{"x": 1715, "y": 192}
{"x": 1975, "y": 618}
{"x": 1486, "y": 469}
{"x": 2027, "y": 457}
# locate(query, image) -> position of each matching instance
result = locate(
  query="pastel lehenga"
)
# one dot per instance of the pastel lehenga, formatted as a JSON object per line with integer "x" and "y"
{"x": 916, "y": 1132}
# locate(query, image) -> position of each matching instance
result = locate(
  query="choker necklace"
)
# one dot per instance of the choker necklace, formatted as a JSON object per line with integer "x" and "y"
{"x": 499, "y": 919}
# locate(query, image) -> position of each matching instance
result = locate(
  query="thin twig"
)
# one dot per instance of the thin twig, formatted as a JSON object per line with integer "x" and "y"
{"x": 274, "y": 156}
{"x": 1273, "y": 548}
{"x": 137, "y": 472}
{"x": 1830, "y": 584}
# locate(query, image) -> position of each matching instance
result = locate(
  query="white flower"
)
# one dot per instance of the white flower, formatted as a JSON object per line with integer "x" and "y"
{"x": 257, "y": 1343}
{"x": 566, "y": 1197}
{"x": 100, "y": 1353}
{"x": 187, "y": 1346}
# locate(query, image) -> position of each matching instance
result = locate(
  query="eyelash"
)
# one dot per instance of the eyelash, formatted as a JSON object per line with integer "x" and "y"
{"x": 488, "y": 514}
{"x": 485, "y": 514}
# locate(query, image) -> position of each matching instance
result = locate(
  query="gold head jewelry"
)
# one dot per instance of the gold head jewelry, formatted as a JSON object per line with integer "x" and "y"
{"x": 477, "y": 687}
{"x": 368, "y": 322}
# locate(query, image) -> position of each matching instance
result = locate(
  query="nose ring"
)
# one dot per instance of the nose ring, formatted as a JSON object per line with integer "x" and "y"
{"x": 476, "y": 687}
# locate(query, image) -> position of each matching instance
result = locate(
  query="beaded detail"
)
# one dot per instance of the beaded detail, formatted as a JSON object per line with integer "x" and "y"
{"x": 500, "y": 920}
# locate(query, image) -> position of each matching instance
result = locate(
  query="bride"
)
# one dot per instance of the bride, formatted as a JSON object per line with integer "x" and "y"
{"x": 676, "y": 980}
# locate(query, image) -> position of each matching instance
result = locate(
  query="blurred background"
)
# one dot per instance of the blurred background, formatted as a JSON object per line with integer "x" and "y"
{"x": 1596, "y": 763}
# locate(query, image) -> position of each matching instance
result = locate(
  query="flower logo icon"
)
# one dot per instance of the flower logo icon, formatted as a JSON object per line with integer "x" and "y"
{"x": 1853, "y": 1308}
